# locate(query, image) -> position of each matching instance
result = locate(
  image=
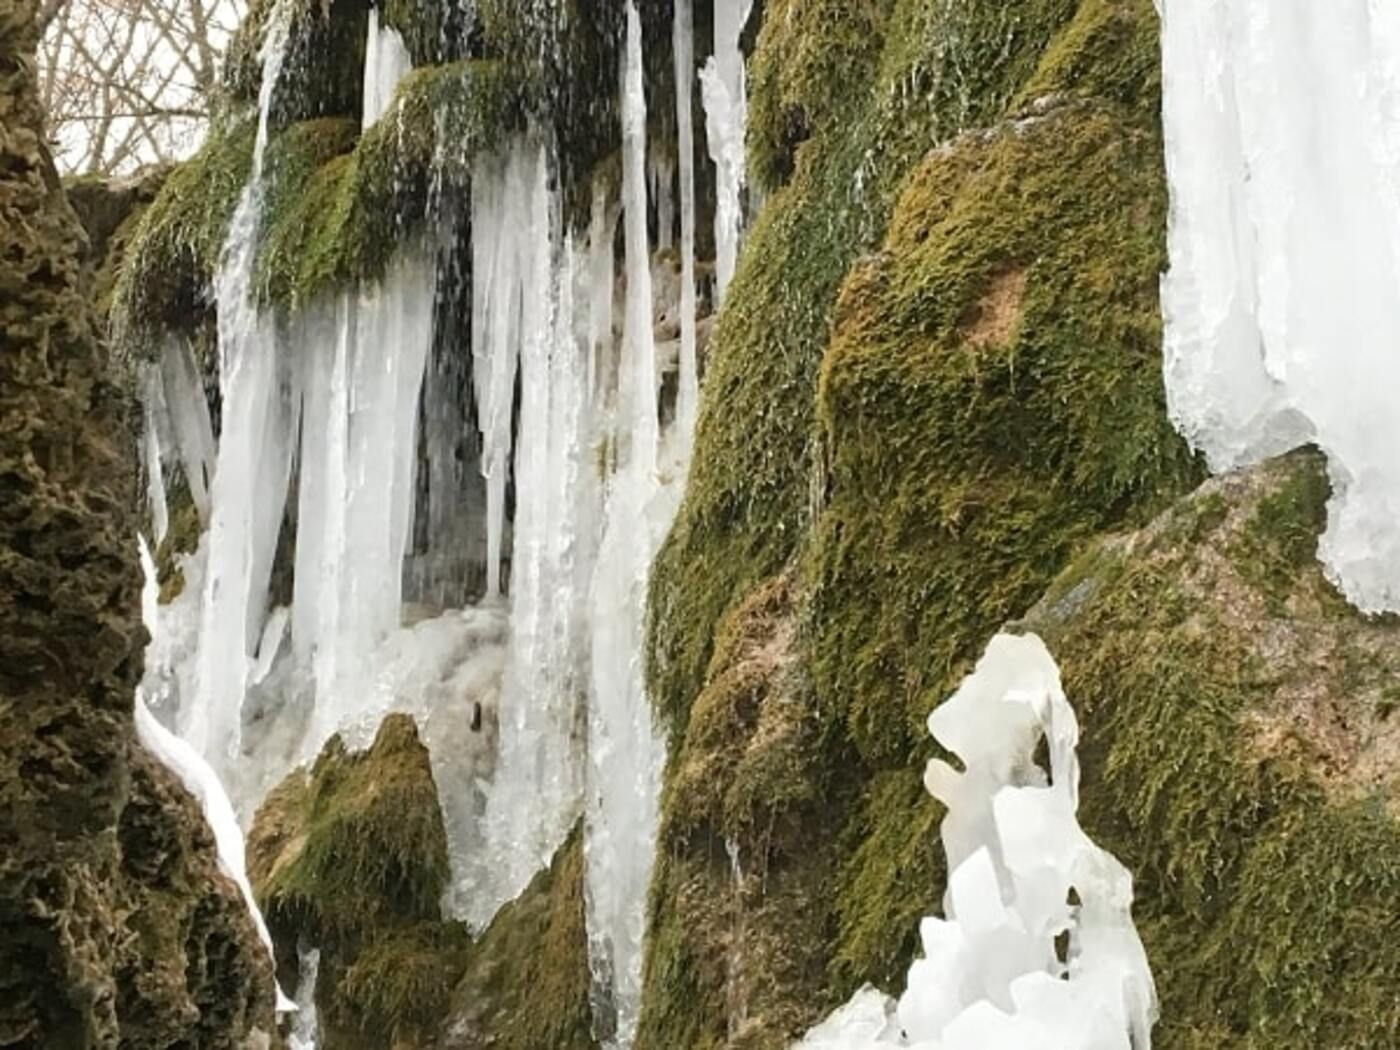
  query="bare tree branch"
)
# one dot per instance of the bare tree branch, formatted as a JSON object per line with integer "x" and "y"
{"x": 128, "y": 82}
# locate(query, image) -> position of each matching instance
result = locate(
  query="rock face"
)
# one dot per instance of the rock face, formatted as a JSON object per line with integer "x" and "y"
{"x": 115, "y": 924}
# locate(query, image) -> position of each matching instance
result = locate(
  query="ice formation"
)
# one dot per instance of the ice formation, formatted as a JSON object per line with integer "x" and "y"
{"x": 472, "y": 548}
{"x": 726, "y": 116}
{"x": 1037, "y": 946}
{"x": 1284, "y": 239}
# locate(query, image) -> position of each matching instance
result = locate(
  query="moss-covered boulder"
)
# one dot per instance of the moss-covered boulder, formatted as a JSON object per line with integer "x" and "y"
{"x": 1241, "y": 756}
{"x": 350, "y": 858}
{"x": 740, "y": 910}
{"x": 526, "y": 983}
{"x": 116, "y": 926}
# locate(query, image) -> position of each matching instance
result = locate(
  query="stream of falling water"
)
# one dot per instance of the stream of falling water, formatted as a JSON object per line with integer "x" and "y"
{"x": 528, "y": 689}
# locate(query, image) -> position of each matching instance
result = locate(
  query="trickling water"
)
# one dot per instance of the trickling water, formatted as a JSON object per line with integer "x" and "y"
{"x": 726, "y": 115}
{"x": 246, "y": 501}
{"x": 1285, "y": 253}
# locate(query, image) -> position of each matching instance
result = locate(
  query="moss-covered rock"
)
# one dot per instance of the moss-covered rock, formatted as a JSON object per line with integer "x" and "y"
{"x": 116, "y": 926}
{"x": 740, "y": 910}
{"x": 1239, "y": 758}
{"x": 350, "y": 858}
{"x": 526, "y": 982}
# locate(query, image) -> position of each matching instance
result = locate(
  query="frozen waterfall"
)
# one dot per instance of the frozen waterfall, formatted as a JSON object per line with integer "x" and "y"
{"x": 458, "y": 525}
{"x": 1280, "y": 304}
{"x": 1037, "y": 947}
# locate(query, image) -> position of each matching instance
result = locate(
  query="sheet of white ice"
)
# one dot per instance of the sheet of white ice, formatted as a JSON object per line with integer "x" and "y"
{"x": 990, "y": 976}
{"x": 1282, "y": 303}
{"x": 683, "y": 52}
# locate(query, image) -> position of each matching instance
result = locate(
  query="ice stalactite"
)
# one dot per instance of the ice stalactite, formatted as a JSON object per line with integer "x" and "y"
{"x": 387, "y": 61}
{"x": 306, "y": 1027}
{"x": 536, "y": 791}
{"x": 723, "y": 91}
{"x": 156, "y": 505}
{"x": 1284, "y": 240}
{"x": 363, "y": 358}
{"x": 500, "y": 203}
{"x": 247, "y": 501}
{"x": 625, "y": 752}
{"x": 688, "y": 388}
{"x": 1037, "y": 947}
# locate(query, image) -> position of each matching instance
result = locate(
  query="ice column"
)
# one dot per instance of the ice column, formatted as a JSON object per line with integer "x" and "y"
{"x": 387, "y": 61}
{"x": 624, "y": 751}
{"x": 726, "y": 114}
{"x": 537, "y": 790}
{"x": 250, "y": 482}
{"x": 1038, "y": 946}
{"x": 1282, "y": 304}
{"x": 688, "y": 390}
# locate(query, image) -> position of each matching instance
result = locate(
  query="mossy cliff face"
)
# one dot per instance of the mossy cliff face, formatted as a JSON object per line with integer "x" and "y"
{"x": 116, "y": 927}
{"x": 350, "y": 858}
{"x": 937, "y": 376}
{"x": 1242, "y": 757}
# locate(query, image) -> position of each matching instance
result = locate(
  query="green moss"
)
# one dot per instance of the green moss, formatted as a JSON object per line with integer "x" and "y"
{"x": 166, "y": 272}
{"x": 400, "y": 986}
{"x": 1264, "y": 895}
{"x": 181, "y": 539}
{"x": 342, "y": 222}
{"x": 752, "y": 483}
{"x": 931, "y": 431}
{"x": 742, "y": 905}
{"x": 1280, "y": 540}
{"x": 1002, "y": 348}
{"x": 372, "y": 851}
{"x": 526, "y": 983}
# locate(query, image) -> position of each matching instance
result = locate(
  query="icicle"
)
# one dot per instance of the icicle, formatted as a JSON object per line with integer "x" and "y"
{"x": 182, "y": 394}
{"x": 537, "y": 788}
{"x": 305, "y": 1027}
{"x": 624, "y": 751}
{"x": 601, "y": 285}
{"x": 246, "y": 497}
{"x": 726, "y": 115}
{"x": 1284, "y": 239}
{"x": 155, "y": 478}
{"x": 688, "y": 391}
{"x": 387, "y": 61}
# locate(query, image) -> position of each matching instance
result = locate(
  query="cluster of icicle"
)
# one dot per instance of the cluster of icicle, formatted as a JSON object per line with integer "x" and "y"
{"x": 1037, "y": 947}
{"x": 1282, "y": 305}
{"x": 329, "y": 403}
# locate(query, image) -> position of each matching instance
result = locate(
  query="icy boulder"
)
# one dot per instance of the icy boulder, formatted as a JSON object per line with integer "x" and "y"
{"x": 1283, "y": 155}
{"x": 1038, "y": 946}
